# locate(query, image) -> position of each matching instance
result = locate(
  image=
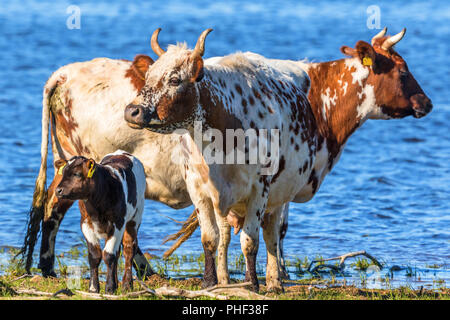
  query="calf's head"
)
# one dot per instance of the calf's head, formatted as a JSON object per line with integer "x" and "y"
{"x": 397, "y": 94}
{"x": 170, "y": 98}
{"x": 76, "y": 182}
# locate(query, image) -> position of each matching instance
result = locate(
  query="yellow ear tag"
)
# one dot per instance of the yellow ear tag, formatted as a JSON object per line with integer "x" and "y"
{"x": 60, "y": 170}
{"x": 91, "y": 171}
{"x": 367, "y": 61}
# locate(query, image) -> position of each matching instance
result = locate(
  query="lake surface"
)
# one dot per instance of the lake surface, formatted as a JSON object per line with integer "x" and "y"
{"x": 389, "y": 193}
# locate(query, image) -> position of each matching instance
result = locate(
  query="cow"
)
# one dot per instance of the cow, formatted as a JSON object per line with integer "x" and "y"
{"x": 374, "y": 82}
{"x": 84, "y": 103}
{"x": 237, "y": 93}
{"x": 83, "y": 106}
{"x": 111, "y": 202}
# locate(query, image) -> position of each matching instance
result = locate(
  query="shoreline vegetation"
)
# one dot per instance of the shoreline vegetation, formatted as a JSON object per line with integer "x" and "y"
{"x": 322, "y": 285}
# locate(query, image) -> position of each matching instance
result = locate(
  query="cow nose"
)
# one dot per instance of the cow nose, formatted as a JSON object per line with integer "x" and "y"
{"x": 135, "y": 114}
{"x": 139, "y": 115}
{"x": 421, "y": 105}
{"x": 59, "y": 191}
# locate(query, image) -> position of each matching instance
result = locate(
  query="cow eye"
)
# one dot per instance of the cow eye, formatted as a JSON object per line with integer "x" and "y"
{"x": 404, "y": 73}
{"x": 78, "y": 174}
{"x": 174, "y": 81}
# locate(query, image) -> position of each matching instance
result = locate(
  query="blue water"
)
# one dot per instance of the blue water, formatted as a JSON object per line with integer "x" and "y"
{"x": 389, "y": 194}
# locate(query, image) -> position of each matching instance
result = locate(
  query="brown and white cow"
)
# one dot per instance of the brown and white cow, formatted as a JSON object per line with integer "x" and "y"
{"x": 347, "y": 92}
{"x": 84, "y": 104}
{"x": 373, "y": 83}
{"x": 111, "y": 201}
{"x": 237, "y": 92}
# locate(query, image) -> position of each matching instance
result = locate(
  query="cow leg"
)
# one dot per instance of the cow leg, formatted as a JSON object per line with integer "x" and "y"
{"x": 94, "y": 257}
{"x": 129, "y": 250}
{"x": 283, "y": 225}
{"x": 250, "y": 237}
{"x": 110, "y": 260}
{"x": 141, "y": 265}
{"x": 55, "y": 209}
{"x": 94, "y": 250}
{"x": 271, "y": 238}
{"x": 111, "y": 257}
{"x": 210, "y": 241}
{"x": 222, "y": 259}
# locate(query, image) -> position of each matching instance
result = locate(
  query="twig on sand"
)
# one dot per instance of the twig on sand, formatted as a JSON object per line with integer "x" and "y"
{"x": 341, "y": 258}
{"x": 26, "y": 275}
{"x": 216, "y": 292}
{"x": 229, "y": 286}
{"x": 219, "y": 292}
{"x": 111, "y": 296}
{"x": 33, "y": 292}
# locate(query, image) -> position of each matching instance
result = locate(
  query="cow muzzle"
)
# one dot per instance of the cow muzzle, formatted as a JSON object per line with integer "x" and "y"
{"x": 138, "y": 116}
{"x": 60, "y": 194}
{"x": 421, "y": 105}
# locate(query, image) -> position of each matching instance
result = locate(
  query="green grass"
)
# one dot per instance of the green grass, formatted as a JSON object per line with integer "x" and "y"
{"x": 324, "y": 285}
{"x": 299, "y": 290}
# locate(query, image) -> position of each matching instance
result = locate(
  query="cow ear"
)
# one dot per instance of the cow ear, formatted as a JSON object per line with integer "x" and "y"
{"x": 90, "y": 167}
{"x": 348, "y": 51}
{"x": 59, "y": 165}
{"x": 198, "y": 70}
{"x": 140, "y": 65}
{"x": 366, "y": 53}
{"x": 200, "y": 76}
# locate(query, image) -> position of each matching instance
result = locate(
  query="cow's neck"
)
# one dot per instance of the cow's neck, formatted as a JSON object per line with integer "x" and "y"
{"x": 215, "y": 106}
{"x": 102, "y": 196}
{"x": 335, "y": 96}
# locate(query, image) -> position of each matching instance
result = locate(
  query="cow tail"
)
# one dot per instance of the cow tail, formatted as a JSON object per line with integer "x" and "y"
{"x": 186, "y": 231}
{"x": 36, "y": 213}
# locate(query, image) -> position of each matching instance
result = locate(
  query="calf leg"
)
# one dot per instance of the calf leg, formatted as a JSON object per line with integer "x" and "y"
{"x": 94, "y": 257}
{"x": 129, "y": 250}
{"x": 110, "y": 260}
{"x": 271, "y": 238}
{"x": 94, "y": 250}
{"x": 222, "y": 260}
{"x": 110, "y": 257}
{"x": 55, "y": 209}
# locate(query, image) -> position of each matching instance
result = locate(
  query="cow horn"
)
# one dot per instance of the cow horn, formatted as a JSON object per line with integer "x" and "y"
{"x": 379, "y": 35}
{"x": 389, "y": 42}
{"x": 199, "y": 49}
{"x": 154, "y": 43}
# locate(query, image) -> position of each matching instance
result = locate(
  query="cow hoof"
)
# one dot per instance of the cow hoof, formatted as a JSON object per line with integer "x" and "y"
{"x": 94, "y": 287}
{"x": 49, "y": 274}
{"x": 110, "y": 287}
{"x": 284, "y": 275}
{"x": 224, "y": 282}
{"x": 208, "y": 283}
{"x": 127, "y": 286}
{"x": 110, "y": 290}
{"x": 275, "y": 289}
{"x": 254, "y": 287}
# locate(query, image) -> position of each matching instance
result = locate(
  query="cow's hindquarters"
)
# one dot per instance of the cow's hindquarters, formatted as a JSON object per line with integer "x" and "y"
{"x": 36, "y": 213}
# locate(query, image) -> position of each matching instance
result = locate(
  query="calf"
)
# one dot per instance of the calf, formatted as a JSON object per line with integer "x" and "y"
{"x": 111, "y": 195}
